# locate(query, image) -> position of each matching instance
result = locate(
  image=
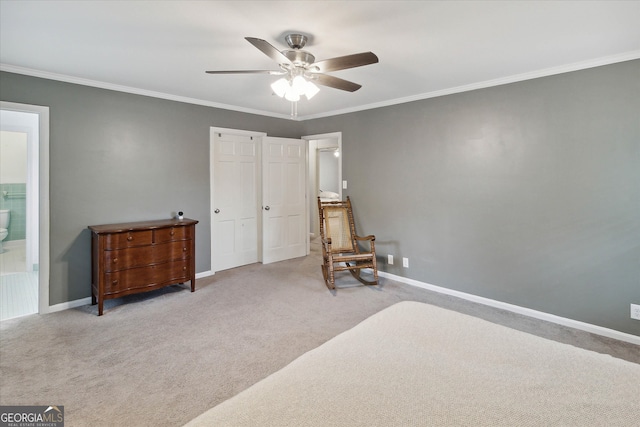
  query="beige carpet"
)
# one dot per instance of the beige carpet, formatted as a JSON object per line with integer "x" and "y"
{"x": 163, "y": 358}
{"x": 414, "y": 364}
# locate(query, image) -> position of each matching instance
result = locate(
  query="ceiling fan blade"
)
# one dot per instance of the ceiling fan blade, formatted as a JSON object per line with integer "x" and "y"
{"x": 344, "y": 62}
{"x": 335, "y": 82}
{"x": 269, "y": 50}
{"x": 273, "y": 73}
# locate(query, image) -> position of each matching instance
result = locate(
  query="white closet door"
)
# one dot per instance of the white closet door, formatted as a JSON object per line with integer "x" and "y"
{"x": 284, "y": 199}
{"x": 235, "y": 183}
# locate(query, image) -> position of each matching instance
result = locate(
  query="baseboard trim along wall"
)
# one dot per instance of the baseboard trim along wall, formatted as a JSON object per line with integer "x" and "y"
{"x": 587, "y": 327}
{"x": 204, "y": 274}
{"x": 69, "y": 304}
{"x": 86, "y": 301}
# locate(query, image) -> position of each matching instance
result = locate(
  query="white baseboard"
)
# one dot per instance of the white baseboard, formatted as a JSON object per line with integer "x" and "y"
{"x": 69, "y": 304}
{"x": 86, "y": 301}
{"x": 205, "y": 274}
{"x": 587, "y": 327}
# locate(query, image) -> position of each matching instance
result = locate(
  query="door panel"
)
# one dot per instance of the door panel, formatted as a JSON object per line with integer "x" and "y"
{"x": 284, "y": 199}
{"x": 234, "y": 201}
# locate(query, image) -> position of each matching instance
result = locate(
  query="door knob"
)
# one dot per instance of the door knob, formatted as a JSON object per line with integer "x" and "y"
{"x": 216, "y": 211}
{"x": 266, "y": 208}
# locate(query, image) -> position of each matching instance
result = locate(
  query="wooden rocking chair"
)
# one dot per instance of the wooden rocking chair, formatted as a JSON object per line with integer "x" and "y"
{"x": 340, "y": 249}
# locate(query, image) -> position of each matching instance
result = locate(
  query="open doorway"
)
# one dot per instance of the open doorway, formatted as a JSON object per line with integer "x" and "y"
{"x": 24, "y": 268}
{"x": 325, "y": 173}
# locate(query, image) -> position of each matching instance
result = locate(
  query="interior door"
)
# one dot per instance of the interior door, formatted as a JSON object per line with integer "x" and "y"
{"x": 234, "y": 200}
{"x": 284, "y": 199}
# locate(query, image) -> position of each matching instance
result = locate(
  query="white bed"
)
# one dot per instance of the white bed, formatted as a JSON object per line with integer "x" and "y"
{"x": 414, "y": 364}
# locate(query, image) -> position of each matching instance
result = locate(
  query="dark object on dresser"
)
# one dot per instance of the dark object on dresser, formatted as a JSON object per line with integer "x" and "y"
{"x": 136, "y": 257}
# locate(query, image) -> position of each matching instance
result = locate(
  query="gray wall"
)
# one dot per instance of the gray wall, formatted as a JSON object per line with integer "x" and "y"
{"x": 118, "y": 157}
{"x": 527, "y": 193}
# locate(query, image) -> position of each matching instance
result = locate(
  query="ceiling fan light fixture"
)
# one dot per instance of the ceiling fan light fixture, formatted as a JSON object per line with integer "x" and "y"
{"x": 292, "y": 90}
{"x": 300, "y": 68}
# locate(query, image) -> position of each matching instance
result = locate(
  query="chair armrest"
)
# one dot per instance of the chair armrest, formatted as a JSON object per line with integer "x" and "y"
{"x": 372, "y": 242}
{"x": 369, "y": 237}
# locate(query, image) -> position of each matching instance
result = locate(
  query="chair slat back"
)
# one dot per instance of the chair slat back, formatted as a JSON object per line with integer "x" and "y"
{"x": 338, "y": 229}
{"x": 336, "y": 222}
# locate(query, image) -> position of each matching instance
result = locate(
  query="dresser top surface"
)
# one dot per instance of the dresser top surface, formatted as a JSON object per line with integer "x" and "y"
{"x": 141, "y": 225}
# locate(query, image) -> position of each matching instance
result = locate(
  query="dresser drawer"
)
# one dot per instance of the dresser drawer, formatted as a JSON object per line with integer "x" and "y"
{"x": 121, "y": 259}
{"x": 146, "y": 277}
{"x": 173, "y": 233}
{"x": 127, "y": 258}
{"x": 171, "y": 251}
{"x": 128, "y": 239}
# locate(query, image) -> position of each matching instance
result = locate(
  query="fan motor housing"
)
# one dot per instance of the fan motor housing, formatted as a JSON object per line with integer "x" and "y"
{"x": 299, "y": 57}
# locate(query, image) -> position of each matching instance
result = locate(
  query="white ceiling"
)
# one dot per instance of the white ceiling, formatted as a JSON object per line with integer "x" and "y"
{"x": 426, "y": 48}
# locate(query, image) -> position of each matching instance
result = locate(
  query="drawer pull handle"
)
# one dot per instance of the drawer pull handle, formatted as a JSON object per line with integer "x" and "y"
{"x": 115, "y": 282}
{"x": 172, "y": 233}
{"x": 115, "y": 260}
{"x": 184, "y": 268}
{"x": 184, "y": 249}
{"x": 130, "y": 238}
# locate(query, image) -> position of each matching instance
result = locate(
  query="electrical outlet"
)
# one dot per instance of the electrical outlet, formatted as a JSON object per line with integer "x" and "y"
{"x": 344, "y": 184}
{"x": 390, "y": 259}
{"x": 635, "y": 311}
{"x": 405, "y": 262}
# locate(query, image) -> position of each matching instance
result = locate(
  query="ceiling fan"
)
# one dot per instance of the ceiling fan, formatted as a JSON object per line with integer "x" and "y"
{"x": 300, "y": 71}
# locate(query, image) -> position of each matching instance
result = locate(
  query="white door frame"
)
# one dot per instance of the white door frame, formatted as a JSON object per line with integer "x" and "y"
{"x": 313, "y": 192}
{"x": 43, "y": 200}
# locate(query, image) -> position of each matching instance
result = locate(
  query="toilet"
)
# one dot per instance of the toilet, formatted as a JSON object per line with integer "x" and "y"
{"x": 4, "y": 226}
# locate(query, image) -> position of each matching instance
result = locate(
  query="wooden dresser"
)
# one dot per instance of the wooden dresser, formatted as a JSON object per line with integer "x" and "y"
{"x": 135, "y": 257}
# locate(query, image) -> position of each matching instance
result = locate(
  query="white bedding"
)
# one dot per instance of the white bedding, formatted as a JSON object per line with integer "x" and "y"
{"x": 414, "y": 364}
{"x": 329, "y": 196}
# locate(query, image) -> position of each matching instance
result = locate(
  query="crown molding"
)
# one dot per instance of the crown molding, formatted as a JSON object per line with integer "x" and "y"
{"x": 626, "y": 56}
{"x": 577, "y": 66}
{"x": 136, "y": 91}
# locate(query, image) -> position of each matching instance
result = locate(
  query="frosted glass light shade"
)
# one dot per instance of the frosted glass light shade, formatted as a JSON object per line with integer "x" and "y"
{"x": 299, "y": 84}
{"x": 292, "y": 95}
{"x": 311, "y": 90}
{"x": 280, "y": 87}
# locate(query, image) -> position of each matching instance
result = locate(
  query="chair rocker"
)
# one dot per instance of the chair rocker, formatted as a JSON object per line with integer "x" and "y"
{"x": 340, "y": 243}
